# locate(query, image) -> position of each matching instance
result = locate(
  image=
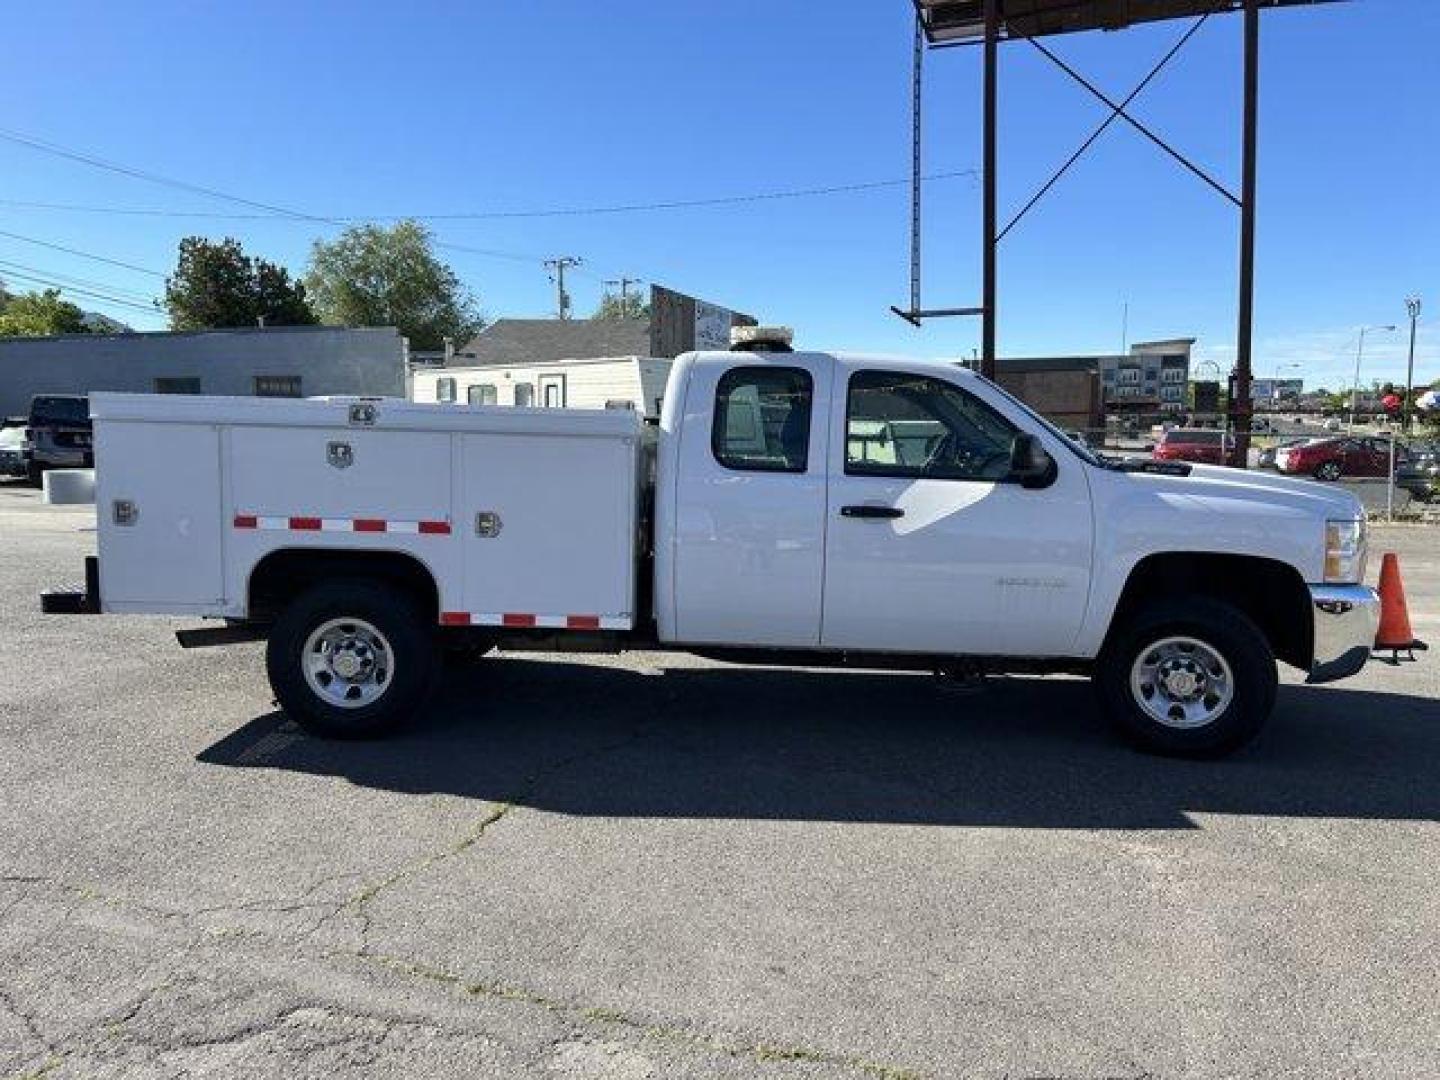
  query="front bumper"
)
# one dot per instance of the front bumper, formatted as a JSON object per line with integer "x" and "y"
{"x": 1346, "y": 618}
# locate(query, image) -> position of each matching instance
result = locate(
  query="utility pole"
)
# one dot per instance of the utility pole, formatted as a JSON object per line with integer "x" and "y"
{"x": 1412, "y": 305}
{"x": 624, "y": 283}
{"x": 557, "y": 268}
{"x": 1240, "y": 405}
{"x": 991, "y": 11}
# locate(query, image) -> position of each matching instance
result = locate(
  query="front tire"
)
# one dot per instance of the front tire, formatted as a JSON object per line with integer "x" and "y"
{"x": 1188, "y": 677}
{"x": 1329, "y": 470}
{"x": 352, "y": 659}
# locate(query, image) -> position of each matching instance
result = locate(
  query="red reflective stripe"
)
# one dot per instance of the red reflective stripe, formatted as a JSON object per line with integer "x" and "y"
{"x": 511, "y": 618}
{"x": 454, "y": 618}
{"x": 582, "y": 622}
{"x": 305, "y": 523}
{"x": 369, "y": 524}
{"x": 246, "y": 521}
{"x": 435, "y": 527}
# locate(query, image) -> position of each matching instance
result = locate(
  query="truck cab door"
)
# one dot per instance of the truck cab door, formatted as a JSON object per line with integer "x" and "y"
{"x": 931, "y": 546}
{"x": 749, "y": 512}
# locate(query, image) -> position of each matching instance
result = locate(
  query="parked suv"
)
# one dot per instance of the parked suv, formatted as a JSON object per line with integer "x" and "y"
{"x": 1201, "y": 445}
{"x": 1330, "y": 459}
{"x": 58, "y": 434}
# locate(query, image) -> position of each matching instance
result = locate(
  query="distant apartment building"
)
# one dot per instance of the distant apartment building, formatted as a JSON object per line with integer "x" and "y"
{"x": 1153, "y": 377}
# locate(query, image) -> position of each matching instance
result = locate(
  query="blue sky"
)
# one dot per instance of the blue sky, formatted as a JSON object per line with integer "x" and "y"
{"x": 336, "y": 110}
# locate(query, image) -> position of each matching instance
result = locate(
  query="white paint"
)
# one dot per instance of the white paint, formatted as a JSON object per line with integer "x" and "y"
{"x": 741, "y": 557}
{"x": 745, "y": 554}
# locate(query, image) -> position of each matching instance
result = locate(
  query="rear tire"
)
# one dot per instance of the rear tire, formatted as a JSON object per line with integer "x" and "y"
{"x": 1329, "y": 470}
{"x": 351, "y": 659}
{"x": 1188, "y": 677}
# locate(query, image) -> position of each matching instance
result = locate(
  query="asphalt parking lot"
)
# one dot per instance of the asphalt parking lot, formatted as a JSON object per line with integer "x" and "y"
{"x": 656, "y": 866}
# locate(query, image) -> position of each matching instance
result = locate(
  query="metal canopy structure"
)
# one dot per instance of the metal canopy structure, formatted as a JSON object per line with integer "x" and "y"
{"x": 988, "y": 23}
{"x": 962, "y": 21}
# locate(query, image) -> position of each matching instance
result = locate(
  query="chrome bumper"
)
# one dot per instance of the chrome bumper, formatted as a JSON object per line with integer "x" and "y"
{"x": 1346, "y": 619}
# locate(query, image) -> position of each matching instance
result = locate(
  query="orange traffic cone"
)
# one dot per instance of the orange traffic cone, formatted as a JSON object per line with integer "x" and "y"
{"x": 1395, "y": 633}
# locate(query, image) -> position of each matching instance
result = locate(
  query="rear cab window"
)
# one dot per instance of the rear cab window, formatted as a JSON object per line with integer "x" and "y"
{"x": 762, "y": 419}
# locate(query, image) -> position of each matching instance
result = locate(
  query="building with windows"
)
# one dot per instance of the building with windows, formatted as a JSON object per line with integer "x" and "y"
{"x": 1153, "y": 377}
{"x": 281, "y": 361}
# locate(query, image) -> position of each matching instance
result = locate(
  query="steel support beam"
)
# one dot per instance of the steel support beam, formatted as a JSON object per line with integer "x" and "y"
{"x": 990, "y": 225}
{"x": 1240, "y": 405}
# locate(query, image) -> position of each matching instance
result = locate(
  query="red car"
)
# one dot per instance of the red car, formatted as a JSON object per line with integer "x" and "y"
{"x": 1330, "y": 459}
{"x": 1204, "y": 446}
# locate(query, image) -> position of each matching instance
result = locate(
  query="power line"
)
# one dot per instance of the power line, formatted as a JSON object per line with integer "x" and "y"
{"x": 89, "y": 294}
{"x": 491, "y": 215}
{"x": 140, "y": 174}
{"x": 81, "y": 254}
{"x": 85, "y": 283}
{"x": 272, "y": 210}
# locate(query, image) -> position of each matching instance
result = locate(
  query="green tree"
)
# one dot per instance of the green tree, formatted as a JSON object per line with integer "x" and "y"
{"x": 40, "y": 314}
{"x": 373, "y": 276}
{"x": 217, "y": 285}
{"x": 631, "y": 306}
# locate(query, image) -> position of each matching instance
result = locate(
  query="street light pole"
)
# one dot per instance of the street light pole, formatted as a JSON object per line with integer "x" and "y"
{"x": 1355, "y": 387}
{"x": 1412, "y": 305}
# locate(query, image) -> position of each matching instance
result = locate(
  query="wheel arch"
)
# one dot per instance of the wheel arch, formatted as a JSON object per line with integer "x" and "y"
{"x": 285, "y": 572}
{"x": 1270, "y": 592}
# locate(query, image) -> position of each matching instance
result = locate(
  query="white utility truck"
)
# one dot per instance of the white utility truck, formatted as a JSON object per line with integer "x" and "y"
{"x": 793, "y": 508}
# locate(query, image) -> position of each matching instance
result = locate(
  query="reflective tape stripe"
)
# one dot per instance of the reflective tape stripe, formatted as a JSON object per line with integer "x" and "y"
{"x": 528, "y": 620}
{"x": 306, "y": 523}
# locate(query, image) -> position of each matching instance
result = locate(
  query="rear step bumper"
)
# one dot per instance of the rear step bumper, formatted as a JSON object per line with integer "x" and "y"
{"x": 73, "y": 601}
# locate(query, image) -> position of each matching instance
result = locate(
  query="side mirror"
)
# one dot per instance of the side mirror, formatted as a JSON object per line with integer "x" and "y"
{"x": 1029, "y": 463}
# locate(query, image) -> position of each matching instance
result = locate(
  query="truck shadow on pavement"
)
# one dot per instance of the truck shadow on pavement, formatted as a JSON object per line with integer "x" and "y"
{"x": 753, "y": 743}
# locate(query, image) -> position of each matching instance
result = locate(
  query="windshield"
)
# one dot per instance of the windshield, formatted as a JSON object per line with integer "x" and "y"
{"x": 1084, "y": 453}
{"x": 10, "y": 437}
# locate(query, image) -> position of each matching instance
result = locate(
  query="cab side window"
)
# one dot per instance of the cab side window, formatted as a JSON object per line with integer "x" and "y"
{"x": 913, "y": 426}
{"x": 762, "y": 419}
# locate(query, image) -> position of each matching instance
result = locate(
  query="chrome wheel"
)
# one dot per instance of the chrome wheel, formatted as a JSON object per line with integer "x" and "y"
{"x": 348, "y": 663}
{"x": 1182, "y": 682}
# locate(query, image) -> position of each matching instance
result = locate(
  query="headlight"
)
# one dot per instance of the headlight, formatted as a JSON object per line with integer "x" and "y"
{"x": 1344, "y": 551}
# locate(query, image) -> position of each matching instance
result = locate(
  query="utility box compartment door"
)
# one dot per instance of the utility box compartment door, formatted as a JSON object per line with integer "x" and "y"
{"x": 338, "y": 472}
{"x": 168, "y": 559}
{"x": 549, "y": 524}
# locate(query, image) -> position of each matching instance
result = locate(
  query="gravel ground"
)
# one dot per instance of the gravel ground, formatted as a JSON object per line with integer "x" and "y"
{"x": 655, "y": 866}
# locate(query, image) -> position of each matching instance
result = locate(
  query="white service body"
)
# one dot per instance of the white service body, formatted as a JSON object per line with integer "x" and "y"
{"x": 219, "y": 483}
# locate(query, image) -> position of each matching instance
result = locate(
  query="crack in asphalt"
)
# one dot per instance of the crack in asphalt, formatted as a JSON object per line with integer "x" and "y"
{"x": 597, "y": 1015}
{"x": 358, "y": 905}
